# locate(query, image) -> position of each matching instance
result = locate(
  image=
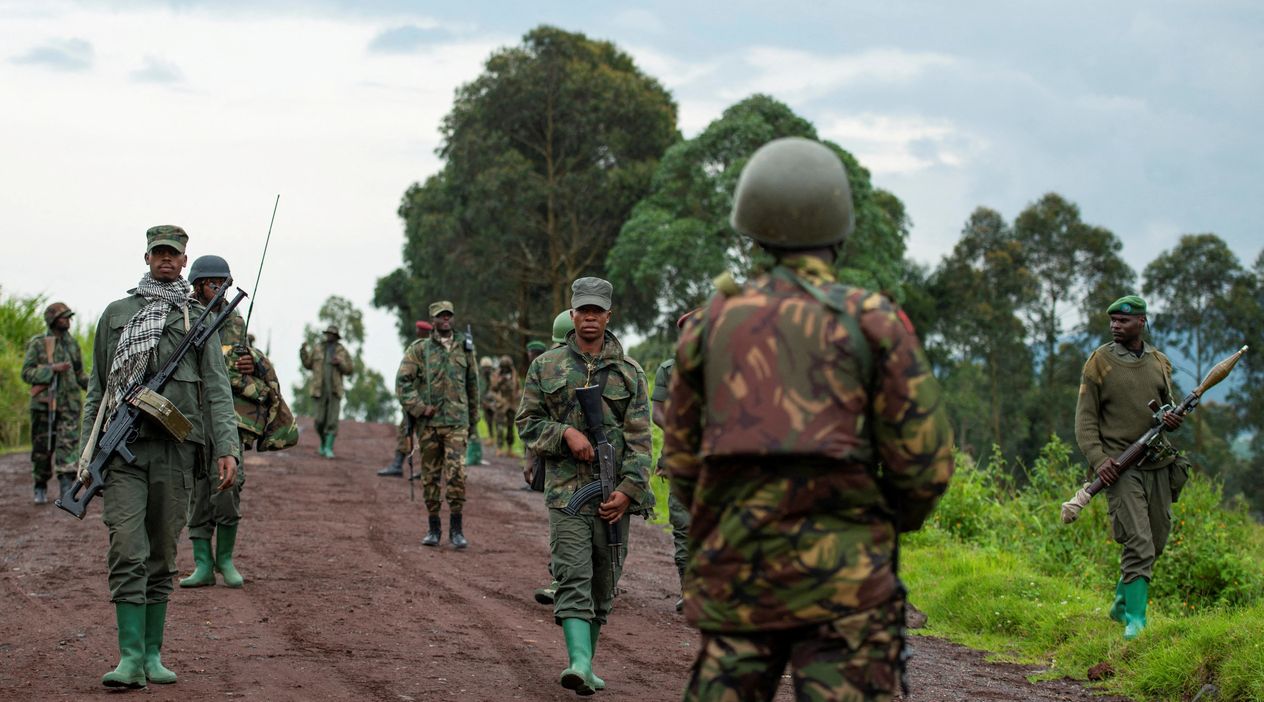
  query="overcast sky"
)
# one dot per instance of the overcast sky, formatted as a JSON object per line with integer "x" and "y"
{"x": 121, "y": 115}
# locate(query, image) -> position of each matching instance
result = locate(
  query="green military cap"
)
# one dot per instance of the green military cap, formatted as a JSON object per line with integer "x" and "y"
{"x": 166, "y": 235}
{"x": 591, "y": 291}
{"x": 331, "y": 329}
{"x": 1128, "y": 304}
{"x": 537, "y": 345}
{"x": 441, "y": 306}
{"x": 56, "y": 311}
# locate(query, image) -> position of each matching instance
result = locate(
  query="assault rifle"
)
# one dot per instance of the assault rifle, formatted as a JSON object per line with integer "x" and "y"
{"x": 590, "y": 404}
{"x": 146, "y": 399}
{"x": 1140, "y": 448}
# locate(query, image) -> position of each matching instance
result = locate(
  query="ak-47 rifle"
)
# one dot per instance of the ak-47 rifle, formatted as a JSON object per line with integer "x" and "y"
{"x": 590, "y": 404}
{"x": 145, "y": 398}
{"x": 1140, "y": 448}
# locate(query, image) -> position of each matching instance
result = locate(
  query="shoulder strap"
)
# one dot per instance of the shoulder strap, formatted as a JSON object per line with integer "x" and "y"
{"x": 602, "y": 377}
{"x": 864, "y": 355}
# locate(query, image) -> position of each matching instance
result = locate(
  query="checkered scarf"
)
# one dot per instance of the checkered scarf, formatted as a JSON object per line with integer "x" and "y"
{"x": 139, "y": 340}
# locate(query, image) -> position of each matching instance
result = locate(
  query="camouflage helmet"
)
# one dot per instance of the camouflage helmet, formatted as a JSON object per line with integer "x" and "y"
{"x": 56, "y": 311}
{"x": 208, "y": 266}
{"x": 793, "y": 194}
{"x": 562, "y": 325}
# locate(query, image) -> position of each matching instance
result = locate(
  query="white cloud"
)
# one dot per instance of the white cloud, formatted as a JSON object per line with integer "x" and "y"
{"x": 888, "y": 144}
{"x": 795, "y": 75}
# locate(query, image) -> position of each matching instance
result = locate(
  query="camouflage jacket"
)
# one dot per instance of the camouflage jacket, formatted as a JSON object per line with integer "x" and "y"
{"x": 548, "y": 407}
{"x": 430, "y": 374}
{"x": 804, "y": 430}
{"x": 38, "y": 372}
{"x": 505, "y": 390}
{"x": 257, "y": 400}
{"x": 314, "y": 360}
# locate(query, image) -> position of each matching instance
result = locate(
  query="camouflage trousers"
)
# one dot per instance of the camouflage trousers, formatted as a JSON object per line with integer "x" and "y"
{"x": 853, "y": 659}
{"x": 504, "y": 434}
{"x": 208, "y": 508}
{"x": 442, "y": 451}
{"x": 328, "y": 410}
{"x": 65, "y": 444}
{"x": 678, "y": 516}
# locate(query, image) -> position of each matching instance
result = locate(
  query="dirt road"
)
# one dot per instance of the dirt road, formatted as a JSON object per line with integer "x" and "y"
{"x": 343, "y": 603}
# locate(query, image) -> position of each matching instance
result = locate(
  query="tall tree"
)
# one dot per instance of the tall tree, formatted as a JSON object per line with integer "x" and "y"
{"x": 545, "y": 153}
{"x": 367, "y": 396}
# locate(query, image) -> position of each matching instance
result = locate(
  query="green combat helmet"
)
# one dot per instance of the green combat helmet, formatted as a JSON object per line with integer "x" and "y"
{"x": 562, "y": 325}
{"x": 208, "y": 267}
{"x": 793, "y": 194}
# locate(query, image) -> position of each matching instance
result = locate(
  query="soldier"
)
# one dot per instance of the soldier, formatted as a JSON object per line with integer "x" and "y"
{"x": 486, "y": 367}
{"x": 402, "y": 440}
{"x": 1119, "y": 379}
{"x": 53, "y": 367}
{"x": 437, "y": 384}
{"x": 146, "y": 500}
{"x": 562, "y": 325}
{"x": 787, "y": 395}
{"x": 328, "y": 366}
{"x": 551, "y": 424}
{"x": 505, "y": 391}
{"x": 677, "y": 515}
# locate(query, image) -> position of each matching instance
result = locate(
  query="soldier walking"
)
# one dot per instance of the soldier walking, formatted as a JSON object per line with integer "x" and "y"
{"x": 329, "y": 364}
{"x": 437, "y": 384}
{"x": 677, "y": 514}
{"x": 552, "y": 425}
{"x": 505, "y": 391}
{"x": 1118, "y": 381}
{"x": 146, "y": 502}
{"x": 403, "y": 442}
{"x": 53, "y": 367}
{"x": 787, "y": 395}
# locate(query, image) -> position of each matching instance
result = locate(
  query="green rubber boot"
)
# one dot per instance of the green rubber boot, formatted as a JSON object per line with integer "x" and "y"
{"x": 155, "y": 621}
{"x": 203, "y": 565}
{"x": 1136, "y": 597}
{"x": 225, "y": 539}
{"x": 597, "y": 683}
{"x": 474, "y": 453}
{"x": 578, "y": 675}
{"x": 130, "y": 671}
{"x": 1117, "y": 607}
{"x": 329, "y": 446}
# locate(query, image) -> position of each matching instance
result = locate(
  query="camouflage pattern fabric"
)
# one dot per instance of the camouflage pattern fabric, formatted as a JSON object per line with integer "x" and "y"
{"x": 442, "y": 451}
{"x": 314, "y": 360}
{"x": 38, "y": 373}
{"x": 852, "y": 659}
{"x": 548, "y": 407}
{"x": 442, "y": 375}
{"x": 505, "y": 391}
{"x": 785, "y": 397}
{"x": 402, "y": 444}
{"x": 264, "y": 420}
{"x": 65, "y": 444}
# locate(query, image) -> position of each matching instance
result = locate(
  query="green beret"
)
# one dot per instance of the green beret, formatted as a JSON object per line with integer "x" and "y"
{"x": 1128, "y": 304}
{"x": 537, "y": 346}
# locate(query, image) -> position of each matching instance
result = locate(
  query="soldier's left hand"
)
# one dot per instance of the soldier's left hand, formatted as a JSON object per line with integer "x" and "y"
{"x": 227, "y": 472}
{"x": 612, "y": 510}
{"x": 1172, "y": 421}
{"x": 245, "y": 364}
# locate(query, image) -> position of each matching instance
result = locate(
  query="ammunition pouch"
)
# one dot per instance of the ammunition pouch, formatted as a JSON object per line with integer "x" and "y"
{"x": 162, "y": 411}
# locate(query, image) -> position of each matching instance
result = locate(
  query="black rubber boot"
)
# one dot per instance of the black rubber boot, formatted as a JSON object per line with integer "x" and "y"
{"x": 454, "y": 532}
{"x": 436, "y": 532}
{"x": 65, "y": 482}
{"x": 396, "y": 468}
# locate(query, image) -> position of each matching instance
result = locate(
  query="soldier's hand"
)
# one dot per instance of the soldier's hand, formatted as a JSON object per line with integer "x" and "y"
{"x": 578, "y": 443}
{"x": 612, "y": 509}
{"x": 429, "y": 410}
{"x": 1108, "y": 471}
{"x": 1172, "y": 421}
{"x": 61, "y": 367}
{"x": 227, "y": 472}
{"x": 246, "y": 364}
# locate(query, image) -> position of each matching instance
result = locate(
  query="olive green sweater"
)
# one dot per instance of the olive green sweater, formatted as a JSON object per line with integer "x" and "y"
{"x": 1111, "y": 412}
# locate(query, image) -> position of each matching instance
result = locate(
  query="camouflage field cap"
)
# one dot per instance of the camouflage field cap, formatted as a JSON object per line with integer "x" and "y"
{"x": 591, "y": 291}
{"x": 423, "y": 325}
{"x": 437, "y": 308}
{"x": 537, "y": 345}
{"x": 166, "y": 235}
{"x": 793, "y": 194}
{"x": 1128, "y": 304}
{"x": 562, "y": 325}
{"x": 56, "y": 311}
{"x": 332, "y": 329}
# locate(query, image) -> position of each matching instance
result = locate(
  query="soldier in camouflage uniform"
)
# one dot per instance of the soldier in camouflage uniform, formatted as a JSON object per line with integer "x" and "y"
{"x": 53, "y": 367}
{"x": 788, "y": 394}
{"x": 329, "y": 364}
{"x": 505, "y": 391}
{"x": 486, "y": 367}
{"x": 146, "y": 500}
{"x": 403, "y": 443}
{"x": 1119, "y": 379}
{"x": 562, "y": 325}
{"x": 551, "y": 424}
{"x": 677, "y": 514}
{"x": 437, "y": 384}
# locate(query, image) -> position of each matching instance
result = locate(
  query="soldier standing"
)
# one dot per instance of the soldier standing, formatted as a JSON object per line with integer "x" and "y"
{"x": 787, "y": 395}
{"x": 551, "y": 424}
{"x": 402, "y": 440}
{"x": 329, "y": 365}
{"x": 146, "y": 501}
{"x": 53, "y": 367}
{"x": 1118, "y": 381}
{"x": 677, "y": 514}
{"x": 505, "y": 391}
{"x": 437, "y": 384}
{"x": 486, "y": 368}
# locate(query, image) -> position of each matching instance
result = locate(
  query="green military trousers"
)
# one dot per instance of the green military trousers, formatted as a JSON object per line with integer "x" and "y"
{"x": 678, "y": 516}
{"x": 328, "y": 410}
{"x": 209, "y": 508}
{"x": 145, "y": 508}
{"x": 1140, "y": 508}
{"x": 852, "y": 659}
{"x": 64, "y": 455}
{"x": 580, "y": 563}
{"x": 442, "y": 451}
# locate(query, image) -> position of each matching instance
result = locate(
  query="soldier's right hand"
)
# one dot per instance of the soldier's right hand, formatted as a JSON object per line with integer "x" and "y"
{"x": 578, "y": 443}
{"x": 245, "y": 364}
{"x": 1108, "y": 471}
{"x": 61, "y": 367}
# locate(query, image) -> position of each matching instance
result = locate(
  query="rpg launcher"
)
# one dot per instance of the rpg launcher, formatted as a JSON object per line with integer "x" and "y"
{"x": 590, "y": 404}
{"x": 1140, "y": 448}
{"x": 145, "y": 399}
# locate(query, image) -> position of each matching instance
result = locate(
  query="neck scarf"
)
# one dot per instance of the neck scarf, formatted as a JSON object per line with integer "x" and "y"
{"x": 139, "y": 341}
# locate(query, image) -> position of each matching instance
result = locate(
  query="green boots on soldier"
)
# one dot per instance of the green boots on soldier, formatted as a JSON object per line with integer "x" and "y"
{"x": 130, "y": 671}
{"x": 225, "y": 540}
{"x": 1136, "y": 598}
{"x": 1117, "y": 607}
{"x": 436, "y": 532}
{"x": 204, "y": 566}
{"x": 597, "y": 683}
{"x": 579, "y": 648}
{"x": 327, "y": 446}
{"x": 155, "y": 622}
